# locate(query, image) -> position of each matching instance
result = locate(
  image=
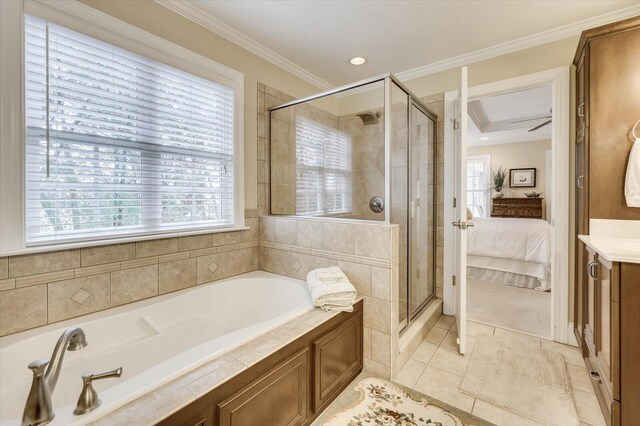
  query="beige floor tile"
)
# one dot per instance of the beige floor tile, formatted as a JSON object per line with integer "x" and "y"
{"x": 588, "y": 408}
{"x": 475, "y": 329}
{"x": 518, "y": 338}
{"x": 424, "y": 352}
{"x": 444, "y": 386}
{"x": 449, "y": 360}
{"x": 451, "y": 341}
{"x": 445, "y": 321}
{"x": 409, "y": 374}
{"x": 451, "y": 338}
{"x": 436, "y": 335}
{"x": 579, "y": 378}
{"x": 572, "y": 354}
{"x": 499, "y": 416}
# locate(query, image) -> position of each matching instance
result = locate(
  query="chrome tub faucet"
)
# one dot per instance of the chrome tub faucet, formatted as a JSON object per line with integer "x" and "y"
{"x": 39, "y": 410}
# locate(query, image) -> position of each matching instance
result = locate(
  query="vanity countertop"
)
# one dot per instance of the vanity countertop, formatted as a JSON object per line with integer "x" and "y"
{"x": 614, "y": 248}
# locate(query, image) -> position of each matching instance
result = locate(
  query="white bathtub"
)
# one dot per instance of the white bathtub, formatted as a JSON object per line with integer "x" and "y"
{"x": 154, "y": 341}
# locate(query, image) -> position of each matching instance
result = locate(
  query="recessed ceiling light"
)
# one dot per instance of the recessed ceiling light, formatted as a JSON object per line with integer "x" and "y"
{"x": 484, "y": 138}
{"x": 358, "y": 60}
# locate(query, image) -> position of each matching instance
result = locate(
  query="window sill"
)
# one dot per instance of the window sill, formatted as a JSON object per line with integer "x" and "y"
{"x": 118, "y": 240}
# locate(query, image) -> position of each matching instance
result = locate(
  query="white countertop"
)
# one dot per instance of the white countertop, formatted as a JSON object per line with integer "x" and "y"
{"x": 613, "y": 248}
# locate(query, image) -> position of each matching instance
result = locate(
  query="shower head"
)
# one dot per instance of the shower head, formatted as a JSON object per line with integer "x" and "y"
{"x": 369, "y": 117}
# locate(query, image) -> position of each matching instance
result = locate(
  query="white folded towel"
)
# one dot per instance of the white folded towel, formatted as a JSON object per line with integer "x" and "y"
{"x": 331, "y": 290}
{"x": 632, "y": 180}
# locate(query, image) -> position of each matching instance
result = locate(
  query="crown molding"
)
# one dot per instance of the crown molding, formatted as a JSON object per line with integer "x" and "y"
{"x": 544, "y": 37}
{"x": 208, "y": 21}
{"x": 213, "y": 24}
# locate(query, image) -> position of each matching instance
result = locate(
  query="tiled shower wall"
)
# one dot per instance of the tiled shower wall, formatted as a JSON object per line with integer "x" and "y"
{"x": 39, "y": 289}
{"x": 294, "y": 246}
{"x": 368, "y": 162}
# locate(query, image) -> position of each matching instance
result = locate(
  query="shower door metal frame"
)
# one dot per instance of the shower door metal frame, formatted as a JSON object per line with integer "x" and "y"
{"x": 389, "y": 79}
{"x": 412, "y": 99}
{"x": 411, "y": 314}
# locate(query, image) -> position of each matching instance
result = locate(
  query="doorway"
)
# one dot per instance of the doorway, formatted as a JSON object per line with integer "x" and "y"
{"x": 556, "y": 211}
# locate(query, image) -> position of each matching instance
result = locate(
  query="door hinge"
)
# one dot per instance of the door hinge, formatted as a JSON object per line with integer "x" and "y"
{"x": 455, "y": 202}
{"x": 454, "y": 280}
{"x": 455, "y": 123}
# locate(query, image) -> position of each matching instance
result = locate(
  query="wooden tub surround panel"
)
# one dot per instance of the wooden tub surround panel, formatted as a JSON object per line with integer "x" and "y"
{"x": 289, "y": 387}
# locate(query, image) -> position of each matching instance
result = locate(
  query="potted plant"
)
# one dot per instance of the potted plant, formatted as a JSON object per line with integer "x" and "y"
{"x": 498, "y": 180}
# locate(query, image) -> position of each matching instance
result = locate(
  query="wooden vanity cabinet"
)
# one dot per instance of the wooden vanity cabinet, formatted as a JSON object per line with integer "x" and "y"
{"x": 606, "y": 107}
{"x": 291, "y": 386}
{"x": 612, "y": 337}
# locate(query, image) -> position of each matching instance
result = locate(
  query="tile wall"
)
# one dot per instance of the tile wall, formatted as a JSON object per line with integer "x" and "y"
{"x": 39, "y": 289}
{"x": 366, "y": 252}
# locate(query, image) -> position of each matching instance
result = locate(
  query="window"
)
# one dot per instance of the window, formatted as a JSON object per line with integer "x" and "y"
{"x": 478, "y": 174}
{"x": 323, "y": 169}
{"x": 119, "y": 144}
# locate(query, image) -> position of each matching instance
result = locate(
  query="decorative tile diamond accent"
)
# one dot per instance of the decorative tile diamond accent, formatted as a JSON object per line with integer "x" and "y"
{"x": 296, "y": 266}
{"x": 213, "y": 266}
{"x": 80, "y": 296}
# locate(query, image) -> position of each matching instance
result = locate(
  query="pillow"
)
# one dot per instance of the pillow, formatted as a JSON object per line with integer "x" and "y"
{"x": 469, "y": 214}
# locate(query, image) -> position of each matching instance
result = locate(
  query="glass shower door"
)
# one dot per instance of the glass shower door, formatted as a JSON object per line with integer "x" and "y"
{"x": 421, "y": 203}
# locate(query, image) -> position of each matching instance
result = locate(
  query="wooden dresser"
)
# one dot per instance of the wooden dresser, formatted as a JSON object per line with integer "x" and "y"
{"x": 607, "y": 294}
{"x": 530, "y": 208}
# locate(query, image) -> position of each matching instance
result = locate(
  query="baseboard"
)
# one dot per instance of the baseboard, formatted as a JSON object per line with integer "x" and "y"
{"x": 571, "y": 336}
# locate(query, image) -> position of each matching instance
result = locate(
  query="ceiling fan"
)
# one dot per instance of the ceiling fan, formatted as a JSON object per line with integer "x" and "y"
{"x": 539, "y": 126}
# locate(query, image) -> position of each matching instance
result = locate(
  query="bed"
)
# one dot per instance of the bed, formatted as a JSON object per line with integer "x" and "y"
{"x": 510, "y": 251}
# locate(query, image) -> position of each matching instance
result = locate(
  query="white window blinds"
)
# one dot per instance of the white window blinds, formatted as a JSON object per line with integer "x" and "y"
{"x": 120, "y": 144}
{"x": 478, "y": 185}
{"x": 323, "y": 169}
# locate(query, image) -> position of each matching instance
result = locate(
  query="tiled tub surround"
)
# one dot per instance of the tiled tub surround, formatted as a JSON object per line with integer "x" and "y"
{"x": 159, "y": 339}
{"x": 271, "y": 347}
{"x": 293, "y": 246}
{"x": 45, "y": 288}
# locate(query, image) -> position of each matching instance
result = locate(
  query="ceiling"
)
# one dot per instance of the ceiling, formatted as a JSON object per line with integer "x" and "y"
{"x": 395, "y": 36}
{"x": 508, "y": 117}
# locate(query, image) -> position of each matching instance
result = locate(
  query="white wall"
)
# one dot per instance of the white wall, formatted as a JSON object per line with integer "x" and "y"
{"x": 518, "y": 155}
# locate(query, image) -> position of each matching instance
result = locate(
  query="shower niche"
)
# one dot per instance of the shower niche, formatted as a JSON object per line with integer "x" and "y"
{"x": 365, "y": 151}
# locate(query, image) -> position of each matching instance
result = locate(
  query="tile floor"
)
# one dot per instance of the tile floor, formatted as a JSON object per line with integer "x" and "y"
{"x": 436, "y": 369}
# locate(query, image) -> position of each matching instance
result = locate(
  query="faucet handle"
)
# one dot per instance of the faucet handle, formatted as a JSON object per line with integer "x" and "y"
{"x": 88, "y": 400}
{"x": 97, "y": 376}
{"x": 38, "y": 366}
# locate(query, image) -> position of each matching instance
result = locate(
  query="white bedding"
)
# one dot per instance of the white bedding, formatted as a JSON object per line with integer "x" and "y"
{"x": 525, "y": 243}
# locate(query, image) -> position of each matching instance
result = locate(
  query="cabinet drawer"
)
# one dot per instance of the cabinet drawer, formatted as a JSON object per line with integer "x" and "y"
{"x": 277, "y": 398}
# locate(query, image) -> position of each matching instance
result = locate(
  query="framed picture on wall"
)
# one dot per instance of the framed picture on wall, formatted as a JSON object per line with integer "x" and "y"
{"x": 522, "y": 178}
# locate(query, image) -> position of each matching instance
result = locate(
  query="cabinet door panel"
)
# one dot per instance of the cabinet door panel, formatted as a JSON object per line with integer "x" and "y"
{"x": 589, "y": 328}
{"x": 337, "y": 358}
{"x": 278, "y": 398}
{"x": 607, "y": 340}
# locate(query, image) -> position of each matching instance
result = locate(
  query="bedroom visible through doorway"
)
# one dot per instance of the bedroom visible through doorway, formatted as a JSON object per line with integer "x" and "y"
{"x": 509, "y": 193}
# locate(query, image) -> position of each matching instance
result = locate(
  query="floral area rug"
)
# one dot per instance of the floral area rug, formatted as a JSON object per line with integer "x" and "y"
{"x": 382, "y": 403}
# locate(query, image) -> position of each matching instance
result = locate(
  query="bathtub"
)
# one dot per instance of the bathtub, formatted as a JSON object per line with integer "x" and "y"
{"x": 154, "y": 340}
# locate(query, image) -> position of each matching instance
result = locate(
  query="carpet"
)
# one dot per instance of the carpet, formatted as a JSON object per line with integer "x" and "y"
{"x": 515, "y": 308}
{"x": 375, "y": 401}
{"x": 524, "y": 379}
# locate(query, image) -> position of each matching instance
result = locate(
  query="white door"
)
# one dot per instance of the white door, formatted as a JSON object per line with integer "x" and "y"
{"x": 460, "y": 213}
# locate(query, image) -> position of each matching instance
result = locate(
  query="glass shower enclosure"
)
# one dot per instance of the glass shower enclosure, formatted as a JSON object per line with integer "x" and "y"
{"x": 364, "y": 151}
